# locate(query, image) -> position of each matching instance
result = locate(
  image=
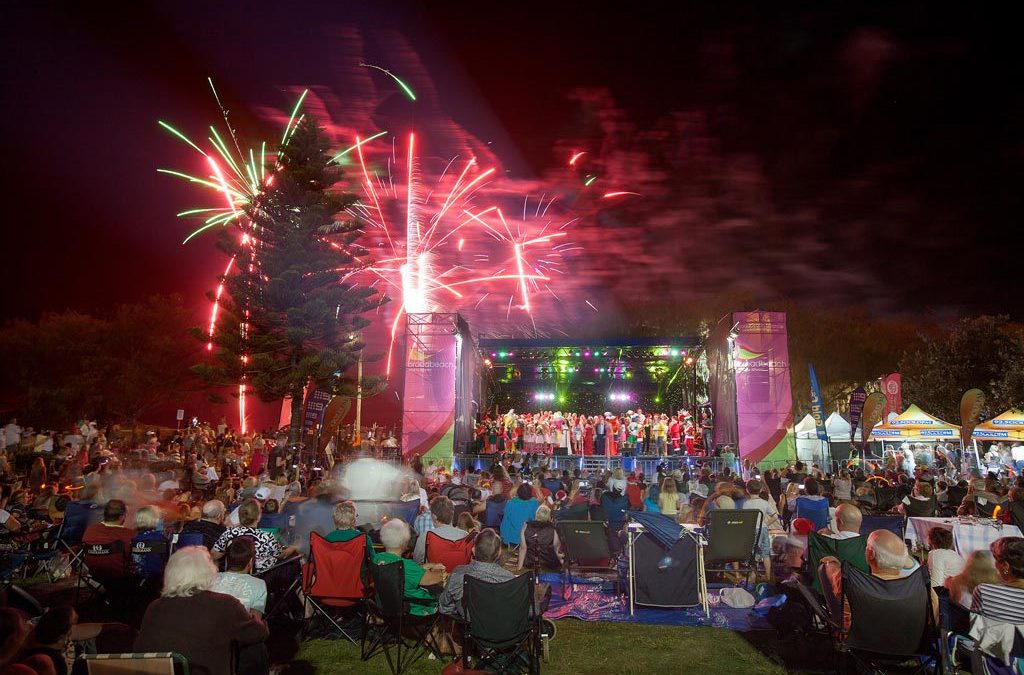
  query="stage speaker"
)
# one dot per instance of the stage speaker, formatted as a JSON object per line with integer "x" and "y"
{"x": 665, "y": 577}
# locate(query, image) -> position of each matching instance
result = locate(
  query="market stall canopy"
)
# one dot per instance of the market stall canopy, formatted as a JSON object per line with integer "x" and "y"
{"x": 915, "y": 423}
{"x": 838, "y": 428}
{"x": 1008, "y": 426}
{"x": 805, "y": 428}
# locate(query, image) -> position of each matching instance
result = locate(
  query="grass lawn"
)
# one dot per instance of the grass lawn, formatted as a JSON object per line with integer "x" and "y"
{"x": 583, "y": 648}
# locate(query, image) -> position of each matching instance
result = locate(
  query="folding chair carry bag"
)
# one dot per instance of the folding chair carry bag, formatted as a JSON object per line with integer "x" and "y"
{"x": 665, "y": 577}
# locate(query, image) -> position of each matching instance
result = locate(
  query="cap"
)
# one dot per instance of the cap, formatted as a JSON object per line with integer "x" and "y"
{"x": 262, "y": 494}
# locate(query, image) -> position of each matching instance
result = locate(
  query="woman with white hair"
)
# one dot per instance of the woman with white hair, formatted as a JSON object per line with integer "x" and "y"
{"x": 205, "y": 627}
{"x": 395, "y": 536}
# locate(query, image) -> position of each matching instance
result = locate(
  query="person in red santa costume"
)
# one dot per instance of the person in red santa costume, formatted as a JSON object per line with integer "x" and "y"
{"x": 674, "y": 434}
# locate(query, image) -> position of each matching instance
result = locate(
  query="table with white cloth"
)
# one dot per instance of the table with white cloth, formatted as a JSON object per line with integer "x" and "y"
{"x": 968, "y": 535}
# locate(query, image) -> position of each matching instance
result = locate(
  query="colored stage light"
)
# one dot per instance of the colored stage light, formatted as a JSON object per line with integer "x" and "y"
{"x": 586, "y": 354}
{"x": 502, "y": 354}
{"x": 597, "y": 370}
{"x": 577, "y": 353}
{"x": 657, "y": 399}
{"x": 689, "y": 360}
{"x": 494, "y": 355}
{"x": 675, "y": 352}
{"x": 511, "y": 353}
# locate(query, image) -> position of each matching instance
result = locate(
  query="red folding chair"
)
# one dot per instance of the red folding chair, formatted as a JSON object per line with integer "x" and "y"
{"x": 449, "y": 553}
{"x": 334, "y": 579}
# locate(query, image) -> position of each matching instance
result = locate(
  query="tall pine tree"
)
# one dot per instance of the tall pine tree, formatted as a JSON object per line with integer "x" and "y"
{"x": 288, "y": 318}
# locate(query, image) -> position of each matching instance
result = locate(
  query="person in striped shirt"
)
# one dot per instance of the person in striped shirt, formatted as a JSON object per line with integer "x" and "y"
{"x": 1005, "y": 601}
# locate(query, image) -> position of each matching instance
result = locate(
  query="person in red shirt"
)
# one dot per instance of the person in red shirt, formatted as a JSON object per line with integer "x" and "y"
{"x": 104, "y": 533}
{"x": 674, "y": 435}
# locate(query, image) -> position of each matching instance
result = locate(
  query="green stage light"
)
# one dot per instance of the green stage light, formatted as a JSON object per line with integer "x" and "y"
{"x": 502, "y": 354}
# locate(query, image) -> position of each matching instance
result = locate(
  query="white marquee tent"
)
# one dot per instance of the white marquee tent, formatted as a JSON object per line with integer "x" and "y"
{"x": 808, "y": 447}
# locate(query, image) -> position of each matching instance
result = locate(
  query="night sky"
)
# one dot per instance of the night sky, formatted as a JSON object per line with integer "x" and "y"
{"x": 824, "y": 154}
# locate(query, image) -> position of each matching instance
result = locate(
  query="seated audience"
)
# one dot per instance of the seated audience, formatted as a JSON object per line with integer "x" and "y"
{"x": 1004, "y": 601}
{"x": 538, "y": 543}
{"x": 344, "y": 515}
{"x": 518, "y": 510}
{"x": 268, "y": 548}
{"x": 442, "y": 513}
{"x": 943, "y": 561}
{"x": 149, "y": 566}
{"x": 110, "y": 530}
{"x": 238, "y": 581}
{"x": 484, "y": 566}
{"x": 812, "y": 505}
{"x": 395, "y": 535}
{"x": 979, "y": 568}
{"x": 887, "y": 559}
{"x": 210, "y": 525}
{"x": 467, "y": 523}
{"x": 204, "y": 626}
{"x": 920, "y": 503}
{"x": 669, "y": 499}
{"x": 848, "y": 523}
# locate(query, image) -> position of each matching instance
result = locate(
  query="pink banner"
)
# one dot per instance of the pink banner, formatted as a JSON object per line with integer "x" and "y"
{"x": 428, "y": 414}
{"x": 764, "y": 399}
{"x": 892, "y": 387}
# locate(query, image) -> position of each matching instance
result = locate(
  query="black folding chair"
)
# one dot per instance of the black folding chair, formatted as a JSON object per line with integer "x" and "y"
{"x": 503, "y": 627}
{"x": 390, "y": 628}
{"x": 115, "y": 577}
{"x": 284, "y": 579}
{"x": 586, "y": 549}
{"x": 732, "y": 535}
{"x": 891, "y": 621}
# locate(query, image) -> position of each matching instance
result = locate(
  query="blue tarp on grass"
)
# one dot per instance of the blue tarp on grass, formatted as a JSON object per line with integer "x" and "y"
{"x": 596, "y": 601}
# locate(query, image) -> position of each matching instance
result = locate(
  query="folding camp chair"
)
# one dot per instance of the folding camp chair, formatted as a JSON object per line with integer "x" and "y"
{"x": 1016, "y": 510}
{"x": 891, "y": 620}
{"x": 984, "y": 506}
{"x": 151, "y": 555}
{"x": 586, "y": 549}
{"x": 449, "y": 553}
{"x": 335, "y": 580}
{"x": 850, "y": 550}
{"x": 897, "y": 524}
{"x": 186, "y": 539}
{"x": 494, "y": 512}
{"x": 732, "y": 535}
{"x": 407, "y": 511}
{"x": 283, "y": 599}
{"x": 95, "y": 573}
{"x": 403, "y": 637}
{"x": 503, "y": 626}
{"x": 885, "y": 497}
{"x": 822, "y": 621}
{"x": 160, "y": 663}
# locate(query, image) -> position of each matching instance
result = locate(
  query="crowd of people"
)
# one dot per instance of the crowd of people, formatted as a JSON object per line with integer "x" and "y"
{"x": 630, "y": 433}
{"x": 210, "y": 526}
